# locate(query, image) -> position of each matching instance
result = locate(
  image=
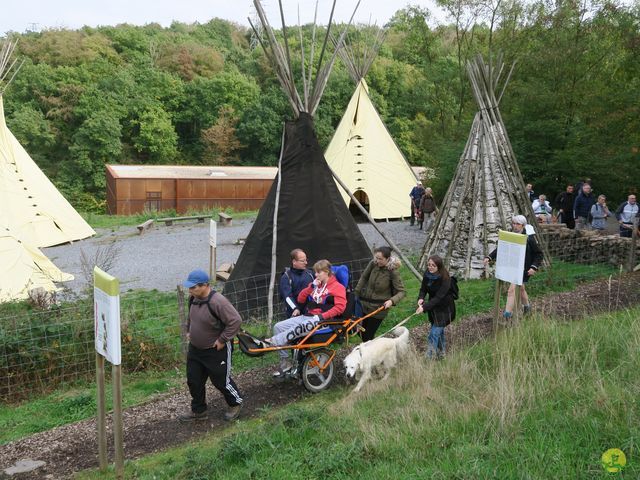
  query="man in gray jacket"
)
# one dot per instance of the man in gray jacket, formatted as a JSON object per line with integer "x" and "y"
{"x": 211, "y": 326}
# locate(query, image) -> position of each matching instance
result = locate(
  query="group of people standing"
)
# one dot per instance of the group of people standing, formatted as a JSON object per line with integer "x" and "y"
{"x": 578, "y": 207}
{"x": 423, "y": 207}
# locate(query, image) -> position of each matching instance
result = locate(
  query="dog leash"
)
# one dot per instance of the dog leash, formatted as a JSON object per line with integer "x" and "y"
{"x": 398, "y": 325}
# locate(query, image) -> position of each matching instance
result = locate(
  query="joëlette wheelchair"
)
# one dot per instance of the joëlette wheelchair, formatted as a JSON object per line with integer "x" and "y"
{"x": 312, "y": 357}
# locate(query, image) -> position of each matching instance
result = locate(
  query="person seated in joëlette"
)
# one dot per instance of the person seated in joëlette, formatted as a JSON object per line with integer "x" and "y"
{"x": 323, "y": 299}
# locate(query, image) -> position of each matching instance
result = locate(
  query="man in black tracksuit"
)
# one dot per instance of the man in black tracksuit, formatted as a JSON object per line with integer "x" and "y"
{"x": 211, "y": 326}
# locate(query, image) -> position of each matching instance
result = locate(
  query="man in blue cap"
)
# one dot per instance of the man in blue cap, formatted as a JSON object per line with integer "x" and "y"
{"x": 212, "y": 323}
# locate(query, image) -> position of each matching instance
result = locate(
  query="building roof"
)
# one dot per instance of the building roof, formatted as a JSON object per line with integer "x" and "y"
{"x": 191, "y": 172}
{"x": 199, "y": 172}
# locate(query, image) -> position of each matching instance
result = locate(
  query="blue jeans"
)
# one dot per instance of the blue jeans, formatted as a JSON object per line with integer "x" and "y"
{"x": 436, "y": 343}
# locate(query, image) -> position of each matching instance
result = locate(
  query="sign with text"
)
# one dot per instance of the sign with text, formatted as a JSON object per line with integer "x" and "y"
{"x": 512, "y": 248}
{"x": 212, "y": 233}
{"x": 106, "y": 310}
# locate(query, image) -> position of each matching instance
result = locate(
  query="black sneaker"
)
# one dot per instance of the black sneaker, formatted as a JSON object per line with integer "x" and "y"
{"x": 193, "y": 416}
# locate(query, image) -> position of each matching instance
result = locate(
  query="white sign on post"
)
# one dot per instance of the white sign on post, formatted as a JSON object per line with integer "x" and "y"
{"x": 212, "y": 233}
{"x": 512, "y": 248}
{"x": 106, "y": 302}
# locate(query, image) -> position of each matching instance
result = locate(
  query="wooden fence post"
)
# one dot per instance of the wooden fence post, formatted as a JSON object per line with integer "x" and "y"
{"x": 118, "y": 435}
{"x": 182, "y": 318}
{"x": 102, "y": 413}
{"x": 634, "y": 241}
{"x": 496, "y": 305}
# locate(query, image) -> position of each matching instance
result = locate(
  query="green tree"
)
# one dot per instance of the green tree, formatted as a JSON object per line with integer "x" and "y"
{"x": 96, "y": 143}
{"x": 155, "y": 139}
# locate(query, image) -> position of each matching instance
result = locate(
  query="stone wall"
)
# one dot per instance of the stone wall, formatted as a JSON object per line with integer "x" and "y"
{"x": 588, "y": 246}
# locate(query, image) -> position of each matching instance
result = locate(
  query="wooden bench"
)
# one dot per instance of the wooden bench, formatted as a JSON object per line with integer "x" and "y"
{"x": 169, "y": 220}
{"x": 145, "y": 226}
{"x": 225, "y": 219}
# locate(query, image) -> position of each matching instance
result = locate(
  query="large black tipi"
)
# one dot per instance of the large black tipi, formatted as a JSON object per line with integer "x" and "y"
{"x": 310, "y": 211}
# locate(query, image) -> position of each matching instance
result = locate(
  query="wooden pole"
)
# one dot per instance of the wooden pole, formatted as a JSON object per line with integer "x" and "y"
{"x": 517, "y": 304}
{"x": 496, "y": 305}
{"x": 102, "y": 414}
{"x": 634, "y": 240}
{"x": 182, "y": 318}
{"x": 118, "y": 436}
{"x": 211, "y": 262}
{"x": 274, "y": 235}
{"x": 375, "y": 225}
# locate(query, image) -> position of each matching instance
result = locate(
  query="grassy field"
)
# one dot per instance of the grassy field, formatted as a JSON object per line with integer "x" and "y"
{"x": 156, "y": 336}
{"x": 542, "y": 400}
{"x": 112, "y": 221}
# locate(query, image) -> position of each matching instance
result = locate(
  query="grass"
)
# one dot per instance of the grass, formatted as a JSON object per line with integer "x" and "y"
{"x": 114, "y": 221}
{"x": 17, "y": 421}
{"x": 78, "y": 402}
{"x": 542, "y": 400}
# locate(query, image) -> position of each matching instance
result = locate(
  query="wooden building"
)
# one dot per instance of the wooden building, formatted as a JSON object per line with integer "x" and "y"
{"x": 136, "y": 188}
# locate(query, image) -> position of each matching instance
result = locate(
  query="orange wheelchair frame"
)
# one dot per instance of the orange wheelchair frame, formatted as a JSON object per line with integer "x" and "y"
{"x": 313, "y": 360}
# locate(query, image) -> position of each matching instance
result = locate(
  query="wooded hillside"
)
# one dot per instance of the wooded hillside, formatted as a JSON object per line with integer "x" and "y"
{"x": 199, "y": 94}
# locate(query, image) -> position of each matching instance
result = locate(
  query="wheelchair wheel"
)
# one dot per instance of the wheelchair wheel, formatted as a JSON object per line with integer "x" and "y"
{"x": 313, "y": 377}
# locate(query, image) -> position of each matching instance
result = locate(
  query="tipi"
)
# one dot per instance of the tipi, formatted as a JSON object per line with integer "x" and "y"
{"x": 362, "y": 153}
{"x": 303, "y": 208}
{"x": 32, "y": 205}
{"x": 487, "y": 189}
{"x": 33, "y": 213}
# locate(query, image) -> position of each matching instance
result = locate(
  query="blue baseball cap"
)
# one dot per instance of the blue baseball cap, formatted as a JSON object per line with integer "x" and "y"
{"x": 196, "y": 277}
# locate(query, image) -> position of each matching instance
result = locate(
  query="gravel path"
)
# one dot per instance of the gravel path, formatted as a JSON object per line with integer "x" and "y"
{"x": 163, "y": 256}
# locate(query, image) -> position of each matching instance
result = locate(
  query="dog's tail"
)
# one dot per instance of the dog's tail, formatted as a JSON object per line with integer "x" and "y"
{"x": 401, "y": 332}
{"x": 402, "y": 343}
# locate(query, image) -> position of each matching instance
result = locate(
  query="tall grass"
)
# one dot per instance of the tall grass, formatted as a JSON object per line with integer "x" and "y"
{"x": 542, "y": 400}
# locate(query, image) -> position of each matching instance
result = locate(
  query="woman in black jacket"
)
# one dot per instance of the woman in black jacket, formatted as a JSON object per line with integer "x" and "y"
{"x": 440, "y": 308}
{"x": 532, "y": 261}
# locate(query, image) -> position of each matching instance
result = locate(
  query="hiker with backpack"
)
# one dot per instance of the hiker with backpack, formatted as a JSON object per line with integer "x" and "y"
{"x": 532, "y": 261}
{"x": 294, "y": 279}
{"x": 379, "y": 284}
{"x": 212, "y": 323}
{"x": 323, "y": 299}
{"x": 441, "y": 307}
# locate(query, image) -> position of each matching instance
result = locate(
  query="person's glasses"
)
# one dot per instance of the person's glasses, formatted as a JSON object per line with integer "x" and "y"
{"x": 301, "y": 260}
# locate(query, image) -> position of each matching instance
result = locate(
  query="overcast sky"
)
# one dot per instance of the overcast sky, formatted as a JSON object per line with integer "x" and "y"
{"x": 22, "y": 15}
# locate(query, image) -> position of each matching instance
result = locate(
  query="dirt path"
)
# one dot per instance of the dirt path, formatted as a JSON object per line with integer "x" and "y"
{"x": 153, "y": 427}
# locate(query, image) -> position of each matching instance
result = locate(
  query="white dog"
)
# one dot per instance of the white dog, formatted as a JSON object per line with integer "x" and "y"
{"x": 380, "y": 354}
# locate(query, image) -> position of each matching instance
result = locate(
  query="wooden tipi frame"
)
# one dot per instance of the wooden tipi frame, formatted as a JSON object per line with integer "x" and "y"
{"x": 487, "y": 189}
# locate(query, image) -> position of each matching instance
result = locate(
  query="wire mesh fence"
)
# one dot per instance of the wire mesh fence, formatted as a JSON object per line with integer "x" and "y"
{"x": 42, "y": 349}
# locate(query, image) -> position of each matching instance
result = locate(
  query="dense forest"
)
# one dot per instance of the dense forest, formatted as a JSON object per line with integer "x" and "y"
{"x": 205, "y": 94}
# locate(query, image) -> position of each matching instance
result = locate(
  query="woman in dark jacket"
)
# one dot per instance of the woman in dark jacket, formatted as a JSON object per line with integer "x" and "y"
{"x": 440, "y": 308}
{"x": 380, "y": 284}
{"x": 532, "y": 261}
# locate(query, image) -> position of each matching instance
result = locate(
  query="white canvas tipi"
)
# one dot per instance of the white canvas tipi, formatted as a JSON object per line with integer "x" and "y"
{"x": 31, "y": 204}
{"x": 363, "y": 154}
{"x": 24, "y": 268}
{"x": 32, "y": 212}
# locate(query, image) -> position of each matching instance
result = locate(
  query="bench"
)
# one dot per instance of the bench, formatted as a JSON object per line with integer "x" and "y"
{"x": 145, "y": 226}
{"x": 169, "y": 220}
{"x": 225, "y": 219}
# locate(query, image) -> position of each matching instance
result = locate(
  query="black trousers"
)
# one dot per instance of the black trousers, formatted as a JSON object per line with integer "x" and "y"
{"x": 371, "y": 326}
{"x": 213, "y": 364}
